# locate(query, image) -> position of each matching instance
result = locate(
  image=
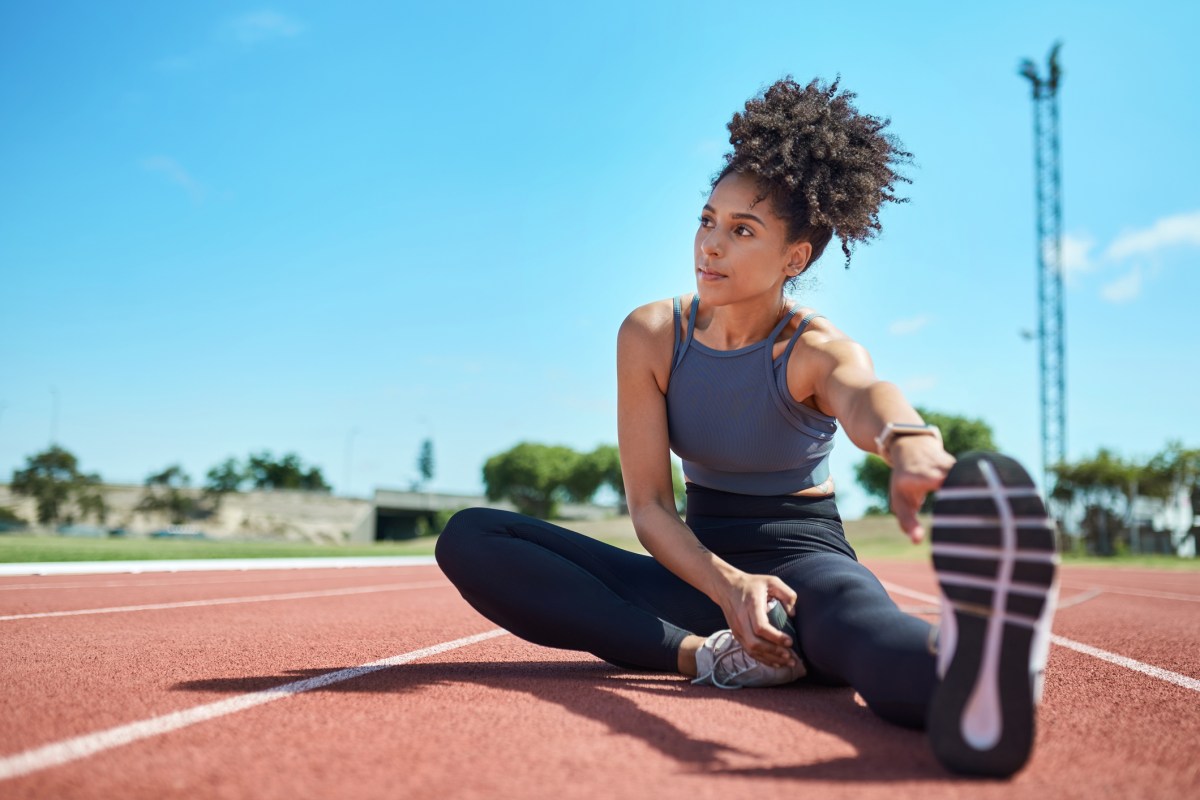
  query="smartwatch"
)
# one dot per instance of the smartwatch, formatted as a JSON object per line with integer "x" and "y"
{"x": 893, "y": 429}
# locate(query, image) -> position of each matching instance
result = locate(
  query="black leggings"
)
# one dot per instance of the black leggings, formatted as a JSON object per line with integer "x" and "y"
{"x": 558, "y": 588}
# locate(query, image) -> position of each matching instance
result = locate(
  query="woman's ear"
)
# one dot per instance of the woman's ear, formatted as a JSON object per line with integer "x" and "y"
{"x": 798, "y": 257}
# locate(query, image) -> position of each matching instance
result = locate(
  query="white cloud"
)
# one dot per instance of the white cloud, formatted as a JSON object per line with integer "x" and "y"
{"x": 1180, "y": 229}
{"x": 246, "y": 30}
{"x": 1076, "y": 255}
{"x": 904, "y": 327}
{"x": 1125, "y": 288}
{"x": 173, "y": 171}
{"x": 261, "y": 26}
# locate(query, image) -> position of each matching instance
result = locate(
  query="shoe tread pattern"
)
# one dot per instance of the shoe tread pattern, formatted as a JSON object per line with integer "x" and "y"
{"x": 972, "y": 603}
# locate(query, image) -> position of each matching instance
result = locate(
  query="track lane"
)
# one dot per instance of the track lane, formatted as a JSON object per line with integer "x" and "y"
{"x": 509, "y": 719}
{"x": 71, "y": 675}
{"x": 505, "y": 719}
{"x": 1162, "y": 632}
{"x": 154, "y": 588}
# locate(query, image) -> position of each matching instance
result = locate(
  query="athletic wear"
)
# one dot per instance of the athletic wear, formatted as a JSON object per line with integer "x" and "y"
{"x": 733, "y": 421}
{"x": 722, "y": 661}
{"x": 749, "y": 446}
{"x": 558, "y": 588}
{"x": 993, "y": 549}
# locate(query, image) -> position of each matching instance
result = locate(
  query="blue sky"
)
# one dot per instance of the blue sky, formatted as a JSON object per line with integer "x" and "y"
{"x": 337, "y": 229}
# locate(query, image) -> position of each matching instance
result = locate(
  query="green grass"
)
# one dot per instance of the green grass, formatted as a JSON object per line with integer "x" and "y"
{"x": 26, "y": 549}
{"x": 1143, "y": 561}
{"x": 872, "y": 538}
{"x": 68, "y": 548}
{"x": 880, "y": 538}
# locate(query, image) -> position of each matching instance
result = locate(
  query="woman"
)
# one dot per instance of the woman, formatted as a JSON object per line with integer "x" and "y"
{"x": 758, "y": 586}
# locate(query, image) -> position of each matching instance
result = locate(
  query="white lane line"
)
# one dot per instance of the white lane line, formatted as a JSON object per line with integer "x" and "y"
{"x": 225, "y": 601}
{"x": 68, "y": 750}
{"x": 1079, "y": 599}
{"x": 1087, "y": 649}
{"x": 1129, "y": 663}
{"x": 207, "y": 565}
{"x": 215, "y": 580}
{"x": 1191, "y": 598}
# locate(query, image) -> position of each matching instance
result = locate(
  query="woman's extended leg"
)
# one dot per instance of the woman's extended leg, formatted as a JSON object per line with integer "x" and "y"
{"x": 850, "y": 631}
{"x": 558, "y": 588}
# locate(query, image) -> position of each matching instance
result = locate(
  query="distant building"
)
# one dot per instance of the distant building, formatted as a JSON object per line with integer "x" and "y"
{"x": 405, "y": 515}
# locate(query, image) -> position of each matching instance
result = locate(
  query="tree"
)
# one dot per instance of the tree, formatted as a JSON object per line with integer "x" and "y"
{"x": 170, "y": 492}
{"x": 53, "y": 479}
{"x": 1173, "y": 468}
{"x": 601, "y": 467}
{"x": 10, "y": 520}
{"x": 534, "y": 477}
{"x": 1104, "y": 489}
{"x": 959, "y": 435}
{"x": 264, "y": 472}
{"x": 425, "y": 461}
{"x": 228, "y": 476}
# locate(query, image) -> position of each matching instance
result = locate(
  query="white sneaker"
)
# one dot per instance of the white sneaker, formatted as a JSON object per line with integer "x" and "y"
{"x": 994, "y": 554}
{"x": 722, "y": 661}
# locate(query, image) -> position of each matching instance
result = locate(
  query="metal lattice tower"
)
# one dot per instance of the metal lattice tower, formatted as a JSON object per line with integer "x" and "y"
{"x": 1048, "y": 176}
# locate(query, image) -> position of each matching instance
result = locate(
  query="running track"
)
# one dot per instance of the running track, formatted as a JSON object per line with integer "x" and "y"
{"x": 264, "y": 684}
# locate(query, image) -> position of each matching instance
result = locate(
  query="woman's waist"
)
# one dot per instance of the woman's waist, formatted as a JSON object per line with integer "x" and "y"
{"x": 703, "y": 502}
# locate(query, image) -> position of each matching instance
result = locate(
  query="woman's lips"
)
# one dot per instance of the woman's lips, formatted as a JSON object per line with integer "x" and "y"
{"x": 708, "y": 274}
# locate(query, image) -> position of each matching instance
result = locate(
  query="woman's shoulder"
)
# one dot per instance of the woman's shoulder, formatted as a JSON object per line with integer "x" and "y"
{"x": 819, "y": 336}
{"x": 645, "y": 341}
{"x": 817, "y": 328}
{"x": 652, "y": 321}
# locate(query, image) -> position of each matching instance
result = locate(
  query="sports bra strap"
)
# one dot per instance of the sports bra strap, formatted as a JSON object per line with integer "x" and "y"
{"x": 787, "y": 352}
{"x": 691, "y": 328}
{"x": 678, "y": 314}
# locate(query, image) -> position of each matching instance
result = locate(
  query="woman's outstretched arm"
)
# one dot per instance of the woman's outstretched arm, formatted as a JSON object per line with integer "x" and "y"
{"x": 643, "y": 369}
{"x": 838, "y": 374}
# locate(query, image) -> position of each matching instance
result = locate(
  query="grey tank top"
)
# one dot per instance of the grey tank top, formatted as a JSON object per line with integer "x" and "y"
{"x": 733, "y": 422}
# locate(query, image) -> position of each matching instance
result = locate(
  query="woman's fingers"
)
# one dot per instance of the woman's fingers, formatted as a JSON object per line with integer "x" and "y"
{"x": 784, "y": 594}
{"x": 747, "y": 617}
{"x": 919, "y": 470}
{"x": 774, "y": 647}
{"x": 905, "y": 507}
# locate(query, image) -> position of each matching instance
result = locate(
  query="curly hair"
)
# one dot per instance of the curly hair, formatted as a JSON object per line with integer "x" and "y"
{"x": 825, "y": 167}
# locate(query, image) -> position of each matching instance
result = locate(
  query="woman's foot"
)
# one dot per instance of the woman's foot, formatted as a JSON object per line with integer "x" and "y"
{"x": 994, "y": 554}
{"x": 722, "y": 661}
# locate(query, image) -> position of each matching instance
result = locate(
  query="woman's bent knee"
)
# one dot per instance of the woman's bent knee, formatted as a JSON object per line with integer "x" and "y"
{"x": 455, "y": 540}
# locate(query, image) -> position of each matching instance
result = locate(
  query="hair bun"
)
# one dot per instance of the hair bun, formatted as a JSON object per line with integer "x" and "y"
{"x": 826, "y": 167}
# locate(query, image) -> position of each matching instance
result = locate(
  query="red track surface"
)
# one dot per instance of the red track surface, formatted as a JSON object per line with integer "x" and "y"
{"x": 504, "y": 719}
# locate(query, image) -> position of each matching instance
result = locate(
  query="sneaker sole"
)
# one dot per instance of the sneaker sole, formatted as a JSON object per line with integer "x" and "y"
{"x": 994, "y": 554}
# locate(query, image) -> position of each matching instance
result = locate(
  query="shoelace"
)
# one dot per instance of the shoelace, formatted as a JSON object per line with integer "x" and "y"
{"x": 729, "y": 649}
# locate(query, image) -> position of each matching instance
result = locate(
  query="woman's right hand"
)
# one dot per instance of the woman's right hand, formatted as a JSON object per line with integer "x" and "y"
{"x": 744, "y": 601}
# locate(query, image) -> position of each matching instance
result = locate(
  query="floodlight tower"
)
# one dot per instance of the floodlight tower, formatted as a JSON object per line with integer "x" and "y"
{"x": 1048, "y": 178}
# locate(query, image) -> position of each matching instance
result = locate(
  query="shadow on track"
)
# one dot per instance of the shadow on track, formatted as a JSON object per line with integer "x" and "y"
{"x": 600, "y": 692}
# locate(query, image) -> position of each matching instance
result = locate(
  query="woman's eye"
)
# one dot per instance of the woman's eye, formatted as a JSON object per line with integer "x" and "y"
{"x": 742, "y": 230}
{"x": 705, "y": 222}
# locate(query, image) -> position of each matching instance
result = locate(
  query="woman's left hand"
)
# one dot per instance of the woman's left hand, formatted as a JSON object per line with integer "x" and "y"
{"x": 919, "y": 466}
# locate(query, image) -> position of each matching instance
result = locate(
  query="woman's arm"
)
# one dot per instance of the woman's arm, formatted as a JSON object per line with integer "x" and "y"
{"x": 843, "y": 384}
{"x": 643, "y": 369}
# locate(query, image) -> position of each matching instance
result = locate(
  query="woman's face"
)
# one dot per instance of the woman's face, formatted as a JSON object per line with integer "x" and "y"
{"x": 742, "y": 250}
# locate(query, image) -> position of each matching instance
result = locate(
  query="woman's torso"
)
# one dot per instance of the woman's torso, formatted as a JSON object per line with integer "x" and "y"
{"x": 733, "y": 420}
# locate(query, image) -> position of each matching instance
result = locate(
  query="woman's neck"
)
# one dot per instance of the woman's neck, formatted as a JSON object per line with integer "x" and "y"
{"x": 736, "y": 325}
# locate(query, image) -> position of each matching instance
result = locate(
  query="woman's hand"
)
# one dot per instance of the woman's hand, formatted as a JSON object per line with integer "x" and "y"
{"x": 919, "y": 466}
{"x": 744, "y": 601}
